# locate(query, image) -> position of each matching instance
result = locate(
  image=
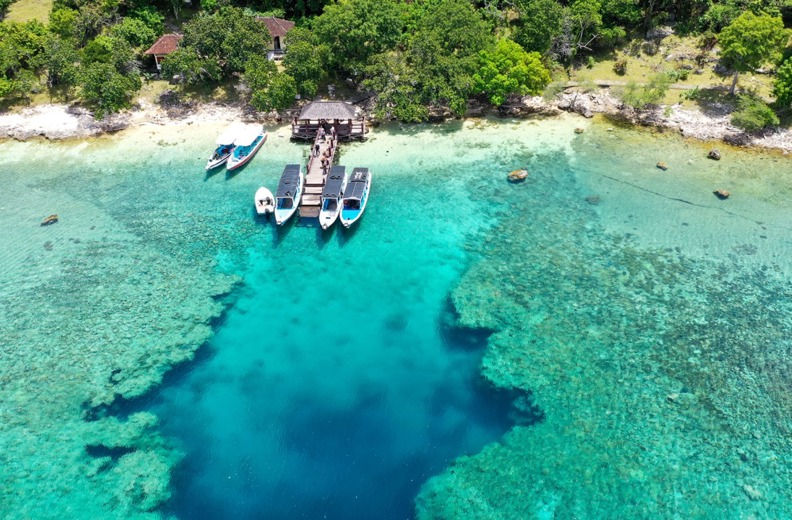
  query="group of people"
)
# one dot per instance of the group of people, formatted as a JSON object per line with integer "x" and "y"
{"x": 323, "y": 137}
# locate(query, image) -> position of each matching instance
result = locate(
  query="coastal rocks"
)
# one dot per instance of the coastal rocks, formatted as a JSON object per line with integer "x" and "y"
{"x": 722, "y": 194}
{"x": 659, "y": 33}
{"x": 518, "y": 175}
{"x": 714, "y": 154}
{"x": 527, "y": 105}
{"x": 661, "y": 165}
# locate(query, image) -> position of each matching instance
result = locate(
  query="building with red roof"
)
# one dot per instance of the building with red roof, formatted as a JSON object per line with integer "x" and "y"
{"x": 166, "y": 44}
{"x": 278, "y": 28}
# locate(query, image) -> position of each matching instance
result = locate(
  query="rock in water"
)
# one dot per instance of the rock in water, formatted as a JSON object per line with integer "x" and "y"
{"x": 593, "y": 199}
{"x": 721, "y": 194}
{"x": 714, "y": 154}
{"x": 518, "y": 175}
{"x": 49, "y": 220}
{"x": 579, "y": 130}
{"x": 752, "y": 492}
{"x": 663, "y": 166}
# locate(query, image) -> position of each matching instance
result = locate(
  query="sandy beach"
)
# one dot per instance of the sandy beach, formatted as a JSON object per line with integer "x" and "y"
{"x": 59, "y": 121}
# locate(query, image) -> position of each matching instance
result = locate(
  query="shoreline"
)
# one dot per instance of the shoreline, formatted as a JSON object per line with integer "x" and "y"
{"x": 59, "y": 122}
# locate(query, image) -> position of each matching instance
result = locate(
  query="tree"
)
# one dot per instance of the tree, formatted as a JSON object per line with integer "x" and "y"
{"x": 397, "y": 87}
{"x": 270, "y": 89}
{"x": 356, "y": 30}
{"x": 306, "y": 61}
{"x": 135, "y": 32}
{"x": 107, "y": 90}
{"x": 227, "y": 39}
{"x": 60, "y": 59}
{"x": 750, "y": 41}
{"x": 444, "y": 53}
{"x": 508, "y": 69}
{"x": 190, "y": 67}
{"x": 782, "y": 87}
{"x": 540, "y": 23}
{"x": 21, "y": 47}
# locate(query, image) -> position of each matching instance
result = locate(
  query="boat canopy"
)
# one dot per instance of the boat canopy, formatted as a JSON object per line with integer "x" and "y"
{"x": 248, "y": 136}
{"x": 335, "y": 180}
{"x": 289, "y": 181}
{"x": 229, "y": 135}
{"x": 356, "y": 186}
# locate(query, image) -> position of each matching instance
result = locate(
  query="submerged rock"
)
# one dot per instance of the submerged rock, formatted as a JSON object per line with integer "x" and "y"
{"x": 579, "y": 130}
{"x": 722, "y": 194}
{"x": 49, "y": 220}
{"x": 663, "y": 166}
{"x": 518, "y": 175}
{"x": 714, "y": 154}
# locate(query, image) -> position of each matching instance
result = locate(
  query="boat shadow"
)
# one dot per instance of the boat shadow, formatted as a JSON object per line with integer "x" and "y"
{"x": 230, "y": 174}
{"x": 345, "y": 235}
{"x": 211, "y": 173}
{"x": 279, "y": 233}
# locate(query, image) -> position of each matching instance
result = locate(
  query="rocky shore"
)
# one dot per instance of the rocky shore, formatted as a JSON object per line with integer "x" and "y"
{"x": 57, "y": 121}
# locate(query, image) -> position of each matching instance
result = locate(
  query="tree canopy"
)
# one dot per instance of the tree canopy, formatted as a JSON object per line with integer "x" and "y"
{"x": 508, "y": 69}
{"x": 752, "y": 40}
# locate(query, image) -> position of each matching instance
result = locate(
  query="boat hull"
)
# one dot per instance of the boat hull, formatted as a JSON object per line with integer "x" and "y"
{"x": 213, "y": 163}
{"x": 233, "y": 163}
{"x": 283, "y": 215}
{"x": 349, "y": 217}
{"x": 327, "y": 218}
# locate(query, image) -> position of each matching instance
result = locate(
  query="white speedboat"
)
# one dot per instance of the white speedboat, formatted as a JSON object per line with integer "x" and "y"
{"x": 331, "y": 196}
{"x": 265, "y": 202}
{"x": 355, "y": 197}
{"x": 225, "y": 145}
{"x": 289, "y": 192}
{"x": 246, "y": 146}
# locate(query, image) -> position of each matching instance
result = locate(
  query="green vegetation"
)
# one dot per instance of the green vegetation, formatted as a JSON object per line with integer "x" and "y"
{"x": 752, "y": 40}
{"x": 753, "y": 114}
{"x": 419, "y": 58}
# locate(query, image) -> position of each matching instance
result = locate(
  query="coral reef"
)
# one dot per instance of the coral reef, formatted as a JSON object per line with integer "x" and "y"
{"x": 663, "y": 379}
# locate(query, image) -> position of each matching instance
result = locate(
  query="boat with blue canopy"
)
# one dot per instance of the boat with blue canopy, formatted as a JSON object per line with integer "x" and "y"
{"x": 355, "y": 197}
{"x": 246, "y": 146}
{"x": 224, "y": 146}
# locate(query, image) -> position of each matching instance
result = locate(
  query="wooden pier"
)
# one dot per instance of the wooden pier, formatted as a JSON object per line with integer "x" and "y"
{"x": 316, "y": 174}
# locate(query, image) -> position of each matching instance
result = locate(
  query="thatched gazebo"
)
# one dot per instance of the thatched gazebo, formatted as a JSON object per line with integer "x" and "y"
{"x": 344, "y": 118}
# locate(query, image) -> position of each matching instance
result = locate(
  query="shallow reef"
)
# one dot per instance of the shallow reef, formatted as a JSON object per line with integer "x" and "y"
{"x": 663, "y": 379}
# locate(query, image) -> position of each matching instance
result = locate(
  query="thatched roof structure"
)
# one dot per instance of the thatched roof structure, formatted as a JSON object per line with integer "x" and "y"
{"x": 328, "y": 110}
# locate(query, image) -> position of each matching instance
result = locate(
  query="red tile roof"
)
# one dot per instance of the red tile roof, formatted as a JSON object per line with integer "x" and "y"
{"x": 276, "y": 26}
{"x": 166, "y": 44}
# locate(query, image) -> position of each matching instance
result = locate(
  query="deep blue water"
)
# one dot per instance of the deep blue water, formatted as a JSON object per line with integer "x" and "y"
{"x": 334, "y": 388}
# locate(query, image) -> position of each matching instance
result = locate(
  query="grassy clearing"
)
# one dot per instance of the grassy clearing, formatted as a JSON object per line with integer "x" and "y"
{"x": 681, "y": 54}
{"x": 26, "y": 10}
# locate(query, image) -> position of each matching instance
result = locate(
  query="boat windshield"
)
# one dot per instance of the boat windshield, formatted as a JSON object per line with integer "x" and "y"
{"x": 285, "y": 203}
{"x": 351, "y": 204}
{"x": 330, "y": 205}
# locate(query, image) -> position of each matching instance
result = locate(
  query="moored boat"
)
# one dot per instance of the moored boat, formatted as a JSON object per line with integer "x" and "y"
{"x": 289, "y": 192}
{"x": 331, "y": 196}
{"x": 246, "y": 146}
{"x": 265, "y": 202}
{"x": 355, "y": 196}
{"x": 225, "y": 145}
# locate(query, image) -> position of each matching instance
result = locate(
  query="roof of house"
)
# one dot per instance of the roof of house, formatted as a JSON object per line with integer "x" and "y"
{"x": 166, "y": 44}
{"x": 276, "y": 26}
{"x": 328, "y": 110}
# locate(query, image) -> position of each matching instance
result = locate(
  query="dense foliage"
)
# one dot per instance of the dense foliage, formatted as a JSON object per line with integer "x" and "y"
{"x": 753, "y": 114}
{"x": 419, "y": 58}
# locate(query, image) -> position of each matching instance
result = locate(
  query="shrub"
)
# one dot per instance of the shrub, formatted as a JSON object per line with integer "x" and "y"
{"x": 641, "y": 96}
{"x": 753, "y": 114}
{"x": 620, "y": 67}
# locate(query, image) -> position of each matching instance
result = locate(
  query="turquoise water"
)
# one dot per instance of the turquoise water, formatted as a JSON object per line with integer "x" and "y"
{"x": 604, "y": 339}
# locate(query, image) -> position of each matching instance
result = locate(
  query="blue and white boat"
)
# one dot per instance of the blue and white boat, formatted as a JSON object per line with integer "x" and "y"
{"x": 289, "y": 192}
{"x": 332, "y": 194}
{"x": 356, "y": 196}
{"x": 246, "y": 146}
{"x": 225, "y": 145}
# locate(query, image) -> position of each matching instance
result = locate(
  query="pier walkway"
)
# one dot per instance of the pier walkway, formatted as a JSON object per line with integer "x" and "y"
{"x": 316, "y": 174}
